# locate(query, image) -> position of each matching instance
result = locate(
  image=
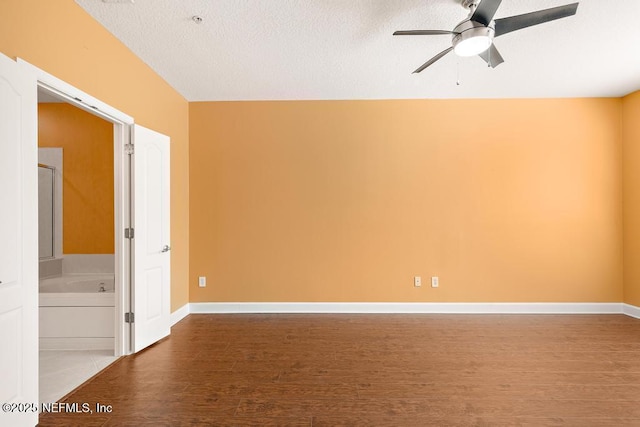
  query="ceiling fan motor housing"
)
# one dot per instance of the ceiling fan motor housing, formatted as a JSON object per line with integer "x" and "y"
{"x": 471, "y": 38}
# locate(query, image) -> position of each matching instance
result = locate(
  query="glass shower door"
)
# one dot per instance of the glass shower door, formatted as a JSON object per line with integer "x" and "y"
{"x": 46, "y": 192}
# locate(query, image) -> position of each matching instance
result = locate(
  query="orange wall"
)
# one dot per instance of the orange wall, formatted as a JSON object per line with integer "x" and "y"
{"x": 631, "y": 185}
{"x": 62, "y": 39}
{"x": 87, "y": 144}
{"x": 505, "y": 200}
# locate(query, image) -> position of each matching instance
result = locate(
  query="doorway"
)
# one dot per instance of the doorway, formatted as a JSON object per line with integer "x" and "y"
{"x": 76, "y": 245}
{"x": 141, "y": 177}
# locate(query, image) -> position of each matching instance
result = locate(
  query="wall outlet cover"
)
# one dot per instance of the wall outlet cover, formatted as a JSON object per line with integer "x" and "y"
{"x": 435, "y": 282}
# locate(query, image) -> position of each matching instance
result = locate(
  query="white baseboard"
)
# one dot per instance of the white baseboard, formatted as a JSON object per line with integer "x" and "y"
{"x": 631, "y": 310}
{"x": 399, "y": 308}
{"x": 179, "y": 314}
{"x": 65, "y": 343}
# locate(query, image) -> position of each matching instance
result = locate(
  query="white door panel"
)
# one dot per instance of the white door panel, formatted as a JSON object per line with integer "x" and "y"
{"x": 152, "y": 259}
{"x": 18, "y": 244}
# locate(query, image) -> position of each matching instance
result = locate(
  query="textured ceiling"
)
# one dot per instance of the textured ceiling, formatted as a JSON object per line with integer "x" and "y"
{"x": 344, "y": 49}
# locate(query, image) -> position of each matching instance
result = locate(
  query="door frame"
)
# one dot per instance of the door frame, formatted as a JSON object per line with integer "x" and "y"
{"x": 122, "y": 126}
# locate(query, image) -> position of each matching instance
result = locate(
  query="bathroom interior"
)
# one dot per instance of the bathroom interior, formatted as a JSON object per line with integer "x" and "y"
{"x": 76, "y": 245}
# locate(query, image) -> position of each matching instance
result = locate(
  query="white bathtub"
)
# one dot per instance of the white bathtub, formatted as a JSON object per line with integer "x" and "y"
{"x": 77, "y": 283}
{"x": 77, "y": 312}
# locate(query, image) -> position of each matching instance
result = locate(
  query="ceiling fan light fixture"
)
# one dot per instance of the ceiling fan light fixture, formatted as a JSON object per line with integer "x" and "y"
{"x": 472, "y": 46}
{"x": 473, "y": 41}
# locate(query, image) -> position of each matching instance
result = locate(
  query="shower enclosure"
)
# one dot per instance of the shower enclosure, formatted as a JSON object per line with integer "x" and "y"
{"x": 46, "y": 210}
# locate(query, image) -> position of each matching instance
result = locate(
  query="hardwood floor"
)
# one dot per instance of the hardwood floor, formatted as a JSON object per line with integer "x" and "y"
{"x": 375, "y": 370}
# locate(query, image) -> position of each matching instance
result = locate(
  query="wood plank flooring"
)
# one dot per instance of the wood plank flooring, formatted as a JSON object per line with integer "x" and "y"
{"x": 375, "y": 370}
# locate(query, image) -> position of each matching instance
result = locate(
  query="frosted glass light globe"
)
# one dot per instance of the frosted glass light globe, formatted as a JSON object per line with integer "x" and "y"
{"x": 473, "y": 45}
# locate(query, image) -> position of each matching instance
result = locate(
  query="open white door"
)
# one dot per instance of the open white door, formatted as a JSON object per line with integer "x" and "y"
{"x": 18, "y": 246}
{"x": 151, "y": 241}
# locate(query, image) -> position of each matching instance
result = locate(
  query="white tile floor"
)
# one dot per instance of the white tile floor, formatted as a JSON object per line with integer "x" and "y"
{"x": 63, "y": 370}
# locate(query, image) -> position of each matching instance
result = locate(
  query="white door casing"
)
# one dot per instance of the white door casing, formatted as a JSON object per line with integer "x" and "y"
{"x": 18, "y": 246}
{"x": 151, "y": 242}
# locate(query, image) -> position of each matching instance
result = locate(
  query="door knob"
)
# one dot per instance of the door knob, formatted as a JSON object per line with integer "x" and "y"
{"x": 166, "y": 248}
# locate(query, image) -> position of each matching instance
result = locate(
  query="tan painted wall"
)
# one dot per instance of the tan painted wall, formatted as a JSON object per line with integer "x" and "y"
{"x": 505, "y": 200}
{"x": 631, "y": 185}
{"x": 62, "y": 39}
{"x": 87, "y": 144}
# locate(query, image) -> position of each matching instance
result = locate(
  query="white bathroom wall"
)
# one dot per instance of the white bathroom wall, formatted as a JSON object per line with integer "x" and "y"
{"x": 88, "y": 264}
{"x": 50, "y": 268}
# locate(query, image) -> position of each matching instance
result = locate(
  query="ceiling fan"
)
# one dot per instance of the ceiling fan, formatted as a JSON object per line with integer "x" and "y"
{"x": 474, "y": 35}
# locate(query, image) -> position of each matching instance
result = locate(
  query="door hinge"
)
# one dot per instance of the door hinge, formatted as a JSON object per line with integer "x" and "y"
{"x": 129, "y": 317}
{"x": 128, "y": 233}
{"x": 128, "y": 148}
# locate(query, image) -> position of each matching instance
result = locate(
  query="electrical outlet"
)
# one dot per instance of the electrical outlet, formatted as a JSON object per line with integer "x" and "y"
{"x": 417, "y": 281}
{"x": 435, "y": 282}
{"x": 202, "y": 281}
